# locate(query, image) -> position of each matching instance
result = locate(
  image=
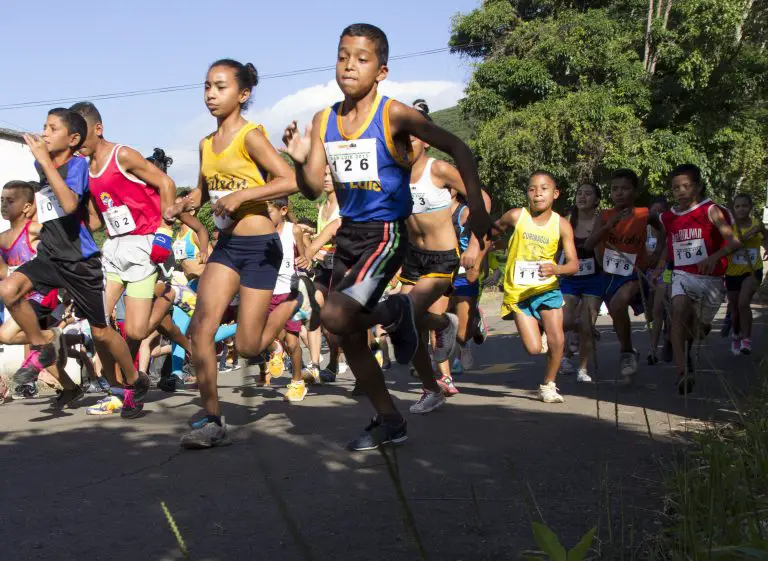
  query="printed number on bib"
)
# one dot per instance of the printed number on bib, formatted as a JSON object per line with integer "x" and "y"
{"x": 179, "y": 250}
{"x": 689, "y": 252}
{"x": 224, "y": 221}
{"x": 747, "y": 256}
{"x": 586, "y": 267}
{"x": 353, "y": 161}
{"x": 650, "y": 244}
{"x": 328, "y": 261}
{"x": 527, "y": 273}
{"x": 48, "y": 207}
{"x": 119, "y": 220}
{"x": 617, "y": 263}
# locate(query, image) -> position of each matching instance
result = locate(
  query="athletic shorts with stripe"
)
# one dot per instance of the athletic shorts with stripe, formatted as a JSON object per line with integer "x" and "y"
{"x": 423, "y": 263}
{"x": 368, "y": 254}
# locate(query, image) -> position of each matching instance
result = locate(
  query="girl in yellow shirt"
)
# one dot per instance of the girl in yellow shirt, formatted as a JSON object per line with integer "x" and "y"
{"x": 531, "y": 291}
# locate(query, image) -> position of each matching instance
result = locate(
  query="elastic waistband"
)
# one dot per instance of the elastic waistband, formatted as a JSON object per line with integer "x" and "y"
{"x": 261, "y": 239}
{"x": 370, "y": 226}
{"x": 414, "y": 249}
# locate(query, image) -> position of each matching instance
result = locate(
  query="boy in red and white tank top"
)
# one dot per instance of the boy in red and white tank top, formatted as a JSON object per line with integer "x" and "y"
{"x": 699, "y": 240}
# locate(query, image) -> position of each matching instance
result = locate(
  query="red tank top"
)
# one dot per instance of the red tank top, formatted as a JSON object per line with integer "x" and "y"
{"x": 129, "y": 205}
{"x": 692, "y": 237}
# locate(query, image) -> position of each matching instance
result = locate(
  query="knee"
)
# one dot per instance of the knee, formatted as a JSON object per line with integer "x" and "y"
{"x": 9, "y": 293}
{"x": 101, "y": 334}
{"x": 248, "y": 345}
{"x": 556, "y": 340}
{"x": 533, "y": 347}
{"x": 136, "y": 332}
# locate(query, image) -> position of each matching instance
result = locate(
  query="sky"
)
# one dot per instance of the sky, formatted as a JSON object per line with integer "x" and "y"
{"x": 76, "y": 50}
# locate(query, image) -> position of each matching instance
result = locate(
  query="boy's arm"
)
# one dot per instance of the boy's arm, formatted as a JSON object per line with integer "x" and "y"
{"x": 405, "y": 120}
{"x": 133, "y": 162}
{"x": 322, "y": 238}
{"x": 308, "y": 153}
{"x": 67, "y": 197}
{"x": 95, "y": 220}
{"x": 508, "y": 220}
{"x": 717, "y": 218}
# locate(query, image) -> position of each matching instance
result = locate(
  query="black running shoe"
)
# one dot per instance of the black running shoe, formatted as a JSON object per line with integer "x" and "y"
{"x": 380, "y": 433}
{"x": 26, "y": 391}
{"x": 403, "y": 333}
{"x": 141, "y": 387}
{"x": 67, "y": 398}
{"x": 131, "y": 408}
{"x": 171, "y": 384}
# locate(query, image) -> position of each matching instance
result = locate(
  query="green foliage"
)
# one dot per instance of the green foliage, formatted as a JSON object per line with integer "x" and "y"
{"x": 303, "y": 207}
{"x": 550, "y": 545}
{"x": 567, "y": 86}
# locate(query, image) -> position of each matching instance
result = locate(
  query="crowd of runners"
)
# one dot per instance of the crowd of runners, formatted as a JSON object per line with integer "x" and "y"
{"x": 391, "y": 271}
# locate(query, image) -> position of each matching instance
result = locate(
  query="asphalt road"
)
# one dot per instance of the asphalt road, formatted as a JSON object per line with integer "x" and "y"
{"x": 473, "y": 473}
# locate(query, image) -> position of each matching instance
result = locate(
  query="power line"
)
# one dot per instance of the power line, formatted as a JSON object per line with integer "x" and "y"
{"x": 183, "y": 87}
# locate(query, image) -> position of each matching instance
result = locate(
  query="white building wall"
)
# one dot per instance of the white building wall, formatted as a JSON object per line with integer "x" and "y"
{"x": 16, "y": 162}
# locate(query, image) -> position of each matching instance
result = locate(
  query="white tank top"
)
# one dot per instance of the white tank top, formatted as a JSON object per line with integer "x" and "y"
{"x": 428, "y": 197}
{"x": 287, "y": 267}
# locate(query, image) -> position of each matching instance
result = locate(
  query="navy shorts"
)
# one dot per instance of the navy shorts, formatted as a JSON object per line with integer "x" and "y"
{"x": 465, "y": 289}
{"x": 587, "y": 285}
{"x": 612, "y": 284}
{"x": 255, "y": 258}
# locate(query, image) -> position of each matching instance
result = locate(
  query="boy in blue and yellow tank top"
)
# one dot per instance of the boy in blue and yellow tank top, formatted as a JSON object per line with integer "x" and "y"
{"x": 365, "y": 139}
{"x": 531, "y": 291}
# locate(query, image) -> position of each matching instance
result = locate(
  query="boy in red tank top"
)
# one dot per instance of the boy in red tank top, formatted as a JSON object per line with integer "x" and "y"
{"x": 699, "y": 240}
{"x": 619, "y": 236}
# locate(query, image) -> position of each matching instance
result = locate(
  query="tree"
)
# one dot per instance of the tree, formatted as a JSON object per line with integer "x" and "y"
{"x": 582, "y": 87}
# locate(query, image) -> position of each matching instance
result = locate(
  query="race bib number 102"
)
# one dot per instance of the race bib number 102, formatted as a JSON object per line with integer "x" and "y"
{"x": 353, "y": 161}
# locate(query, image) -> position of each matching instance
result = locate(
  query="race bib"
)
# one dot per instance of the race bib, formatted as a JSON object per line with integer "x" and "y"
{"x": 527, "y": 273}
{"x": 48, "y": 207}
{"x": 689, "y": 252}
{"x": 617, "y": 263}
{"x": 224, "y": 221}
{"x": 586, "y": 267}
{"x": 119, "y": 220}
{"x": 353, "y": 160}
{"x": 650, "y": 244}
{"x": 746, "y": 256}
{"x": 180, "y": 250}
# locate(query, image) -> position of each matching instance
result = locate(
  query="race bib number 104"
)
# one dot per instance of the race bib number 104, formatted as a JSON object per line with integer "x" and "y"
{"x": 353, "y": 161}
{"x": 689, "y": 252}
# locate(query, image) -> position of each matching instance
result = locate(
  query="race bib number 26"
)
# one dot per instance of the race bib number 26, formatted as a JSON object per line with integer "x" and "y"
{"x": 353, "y": 161}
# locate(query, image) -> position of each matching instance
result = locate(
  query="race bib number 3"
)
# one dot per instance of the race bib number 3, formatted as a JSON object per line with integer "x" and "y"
{"x": 689, "y": 252}
{"x": 527, "y": 273}
{"x": 353, "y": 160}
{"x": 48, "y": 207}
{"x": 119, "y": 220}
{"x": 617, "y": 263}
{"x": 224, "y": 221}
{"x": 746, "y": 256}
{"x": 586, "y": 267}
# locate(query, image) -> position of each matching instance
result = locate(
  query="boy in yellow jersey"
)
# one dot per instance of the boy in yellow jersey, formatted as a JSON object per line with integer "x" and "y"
{"x": 531, "y": 291}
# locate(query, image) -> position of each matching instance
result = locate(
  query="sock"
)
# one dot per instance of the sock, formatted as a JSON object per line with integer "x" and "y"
{"x": 214, "y": 419}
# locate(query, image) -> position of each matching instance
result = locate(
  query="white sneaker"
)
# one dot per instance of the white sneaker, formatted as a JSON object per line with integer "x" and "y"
{"x": 548, "y": 394}
{"x": 582, "y": 376}
{"x": 465, "y": 355}
{"x": 206, "y": 436}
{"x": 429, "y": 401}
{"x": 566, "y": 367}
{"x": 445, "y": 339}
{"x": 628, "y": 364}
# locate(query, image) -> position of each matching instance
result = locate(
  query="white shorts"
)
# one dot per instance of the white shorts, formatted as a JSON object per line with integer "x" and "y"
{"x": 128, "y": 257}
{"x": 706, "y": 292}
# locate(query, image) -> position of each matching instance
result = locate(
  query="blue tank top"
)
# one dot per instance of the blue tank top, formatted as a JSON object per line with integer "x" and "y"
{"x": 370, "y": 174}
{"x": 462, "y": 232}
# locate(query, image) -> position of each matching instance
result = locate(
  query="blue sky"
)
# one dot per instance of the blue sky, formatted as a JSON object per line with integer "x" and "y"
{"x": 63, "y": 50}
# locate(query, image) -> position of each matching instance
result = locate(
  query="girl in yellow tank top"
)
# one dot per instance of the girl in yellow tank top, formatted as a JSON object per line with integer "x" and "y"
{"x": 240, "y": 171}
{"x": 531, "y": 291}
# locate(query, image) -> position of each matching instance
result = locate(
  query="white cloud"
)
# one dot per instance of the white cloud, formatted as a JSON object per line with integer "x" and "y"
{"x": 301, "y": 106}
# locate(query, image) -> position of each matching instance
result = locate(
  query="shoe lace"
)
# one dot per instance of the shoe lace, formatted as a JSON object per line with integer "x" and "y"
{"x": 128, "y": 401}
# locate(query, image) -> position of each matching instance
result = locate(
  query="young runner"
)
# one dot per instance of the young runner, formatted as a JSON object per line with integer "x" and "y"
{"x": 583, "y": 292}
{"x": 239, "y": 171}
{"x": 660, "y": 278}
{"x": 744, "y": 273}
{"x": 68, "y": 258}
{"x": 619, "y": 234}
{"x": 699, "y": 239}
{"x": 364, "y": 139}
{"x": 531, "y": 292}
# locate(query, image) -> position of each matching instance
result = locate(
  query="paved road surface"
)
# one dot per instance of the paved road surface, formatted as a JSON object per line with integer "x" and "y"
{"x": 76, "y": 487}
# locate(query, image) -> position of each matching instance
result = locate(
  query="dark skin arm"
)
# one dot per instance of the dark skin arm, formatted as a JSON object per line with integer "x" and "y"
{"x": 298, "y": 237}
{"x": 95, "y": 220}
{"x": 731, "y": 242}
{"x": 602, "y": 227}
{"x": 135, "y": 164}
{"x": 308, "y": 153}
{"x": 67, "y": 198}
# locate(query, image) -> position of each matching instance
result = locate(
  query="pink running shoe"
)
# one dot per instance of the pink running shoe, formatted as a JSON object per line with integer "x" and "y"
{"x": 446, "y": 384}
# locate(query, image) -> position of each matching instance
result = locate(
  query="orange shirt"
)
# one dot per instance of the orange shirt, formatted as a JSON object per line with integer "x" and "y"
{"x": 629, "y": 235}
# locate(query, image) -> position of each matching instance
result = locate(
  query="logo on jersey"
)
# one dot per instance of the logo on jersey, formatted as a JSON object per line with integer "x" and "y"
{"x": 106, "y": 200}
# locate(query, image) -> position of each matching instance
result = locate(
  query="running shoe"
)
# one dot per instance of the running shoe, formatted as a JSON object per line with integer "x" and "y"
{"x": 131, "y": 408}
{"x": 445, "y": 339}
{"x": 448, "y": 387}
{"x": 403, "y": 333}
{"x": 429, "y": 401}
{"x": 746, "y": 346}
{"x": 481, "y": 330}
{"x": 39, "y": 357}
{"x": 297, "y": 391}
{"x": 276, "y": 365}
{"x": 141, "y": 387}
{"x": 311, "y": 374}
{"x": 380, "y": 433}
{"x": 327, "y": 376}
{"x": 171, "y": 384}
{"x": 735, "y": 345}
{"x": 26, "y": 391}
{"x": 548, "y": 393}
{"x": 67, "y": 398}
{"x": 343, "y": 367}
{"x": 465, "y": 356}
{"x": 206, "y": 434}
{"x": 566, "y": 367}
{"x": 583, "y": 377}
{"x": 106, "y": 406}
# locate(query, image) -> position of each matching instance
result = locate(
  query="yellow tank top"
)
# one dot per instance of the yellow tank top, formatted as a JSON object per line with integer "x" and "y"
{"x": 748, "y": 258}
{"x": 528, "y": 247}
{"x": 233, "y": 170}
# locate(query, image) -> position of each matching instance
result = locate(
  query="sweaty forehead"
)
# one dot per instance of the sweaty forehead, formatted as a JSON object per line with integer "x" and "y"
{"x": 357, "y": 44}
